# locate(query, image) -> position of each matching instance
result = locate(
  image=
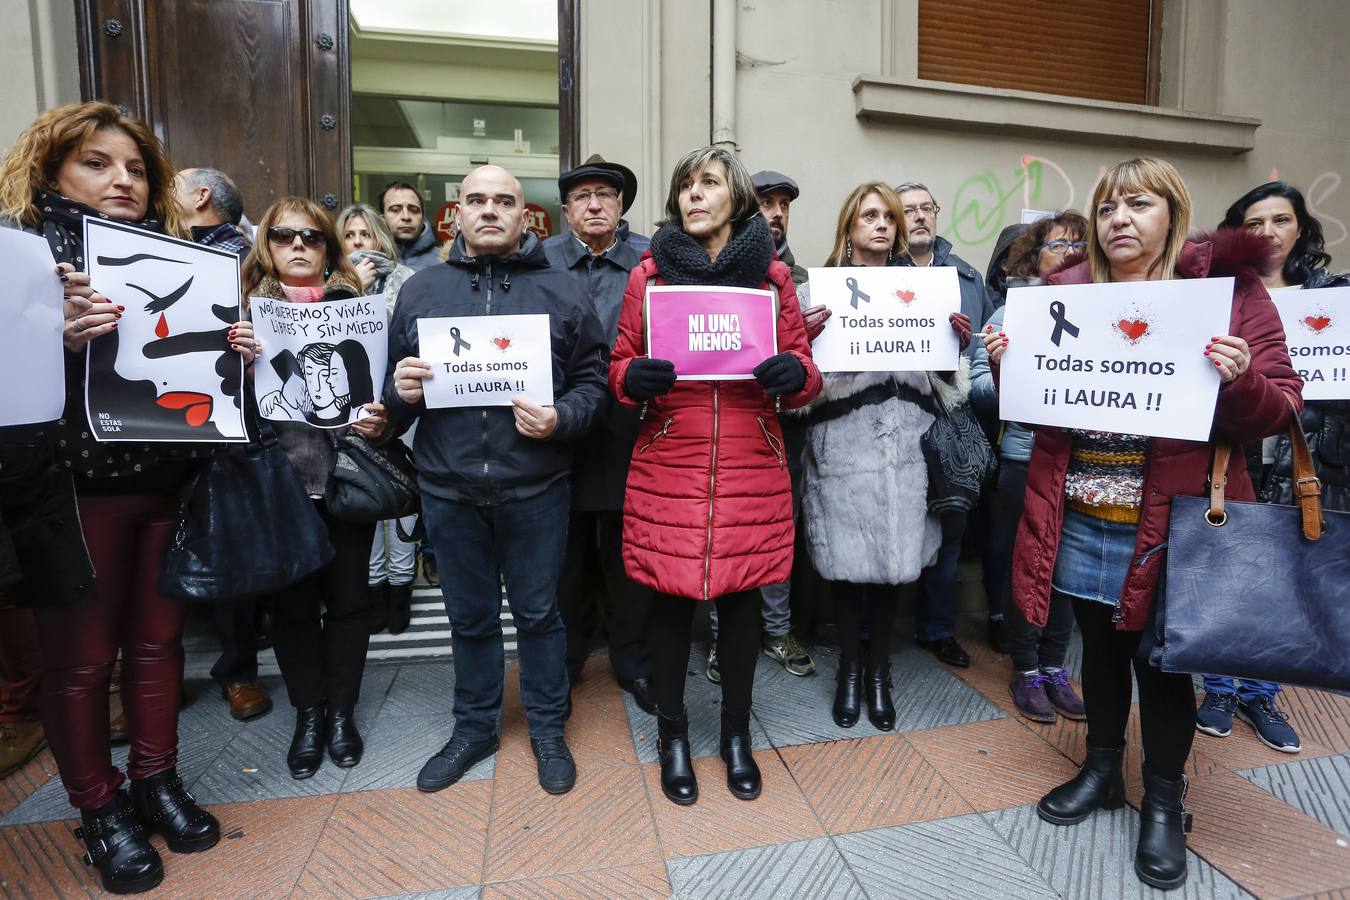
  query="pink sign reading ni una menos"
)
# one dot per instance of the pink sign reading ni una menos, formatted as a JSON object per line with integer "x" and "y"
{"x": 711, "y": 334}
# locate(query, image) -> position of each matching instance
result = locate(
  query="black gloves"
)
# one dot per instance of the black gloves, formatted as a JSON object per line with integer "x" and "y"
{"x": 781, "y": 374}
{"x": 648, "y": 378}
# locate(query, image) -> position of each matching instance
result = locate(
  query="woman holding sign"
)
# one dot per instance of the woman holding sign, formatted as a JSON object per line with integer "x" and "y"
{"x": 319, "y": 625}
{"x": 864, "y": 481}
{"x": 91, "y": 161}
{"x": 1098, "y": 504}
{"x": 708, "y": 506}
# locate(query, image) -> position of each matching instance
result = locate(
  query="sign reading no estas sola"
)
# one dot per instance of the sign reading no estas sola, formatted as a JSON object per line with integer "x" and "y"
{"x": 1126, "y": 357}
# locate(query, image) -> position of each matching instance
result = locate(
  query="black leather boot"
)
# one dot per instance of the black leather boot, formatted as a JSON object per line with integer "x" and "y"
{"x": 1160, "y": 859}
{"x": 400, "y": 607}
{"x": 345, "y": 744}
{"x": 377, "y": 614}
{"x": 165, "y": 807}
{"x": 306, "y": 753}
{"x": 1099, "y": 784}
{"x": 116, "y": 842}
{"x": 677, "y": 769}
{"x": 742, "y": 770}
{"x": 848, "y": 694}
{"x": 880, "y": 707}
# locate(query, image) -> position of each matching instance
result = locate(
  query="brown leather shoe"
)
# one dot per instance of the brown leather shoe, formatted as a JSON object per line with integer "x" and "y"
{"x": 19, "y": 742}
{"x": 248, "y": 699}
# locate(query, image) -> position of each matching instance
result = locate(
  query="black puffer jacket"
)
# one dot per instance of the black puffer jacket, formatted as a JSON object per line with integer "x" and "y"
{"x": 475, "y": 455}
{"x": 1327, "y": 424}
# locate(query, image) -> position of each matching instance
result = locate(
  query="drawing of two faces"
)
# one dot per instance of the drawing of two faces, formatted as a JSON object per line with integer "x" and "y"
{"x": 321, "y": 385}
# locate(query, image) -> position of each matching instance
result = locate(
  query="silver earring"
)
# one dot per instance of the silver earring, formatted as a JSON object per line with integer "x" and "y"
{"x": 848, "y": 249}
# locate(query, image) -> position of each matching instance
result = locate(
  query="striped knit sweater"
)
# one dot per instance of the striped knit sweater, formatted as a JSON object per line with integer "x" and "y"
{"x": 1106, "y": 475}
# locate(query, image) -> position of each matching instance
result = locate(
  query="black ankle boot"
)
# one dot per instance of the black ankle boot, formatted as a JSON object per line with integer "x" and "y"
{"x": 880, "y": 707}
{"x": 377, "y": 612}
{"x": 677, "y": 769}
{"x": 345, "y": 744}
{"x": 1099, "y": 784}
{"x": 1160, "y": 859}
{"x": 306, "y": 753}
{"x": 742, "y": 770}
{"x": 165, "y": 807}
{"x": 400, "y": 607}
{"x": 848, "y": 694}
{"x": 116, "y": 842}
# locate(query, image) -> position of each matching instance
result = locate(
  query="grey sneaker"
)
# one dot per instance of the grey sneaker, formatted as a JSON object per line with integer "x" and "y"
{"x": 788, "y": 651}
{"x": 714, "y": 673}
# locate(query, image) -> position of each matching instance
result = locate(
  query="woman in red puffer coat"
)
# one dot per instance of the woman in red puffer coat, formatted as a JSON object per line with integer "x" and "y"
{"x": 708, "y": 506}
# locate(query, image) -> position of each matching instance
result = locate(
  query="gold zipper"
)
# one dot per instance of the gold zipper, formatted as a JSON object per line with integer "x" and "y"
{"x": 772, "y": 441}
{"x": 665, "y": 426}
{"x": 712, "y": 482}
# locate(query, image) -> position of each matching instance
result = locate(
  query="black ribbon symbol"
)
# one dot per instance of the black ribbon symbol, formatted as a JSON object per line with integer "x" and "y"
{"x": 852, "y": 285}
{"x": 460, "y": 342}
{"x": 1062, "y": 324}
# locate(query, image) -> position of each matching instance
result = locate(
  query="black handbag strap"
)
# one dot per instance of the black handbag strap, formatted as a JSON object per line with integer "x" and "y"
{"x": 1307, "y": 486}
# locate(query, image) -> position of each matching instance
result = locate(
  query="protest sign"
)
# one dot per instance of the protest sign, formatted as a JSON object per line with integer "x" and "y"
{"x": 1317, "y": 328}
{"x": 486, "y": 360}
{"x": 1126, "y": 357}
{"x": 713, "y": 333}
{"x": 322, "y": 362}
{"x": 887, "y": 319}
{"x": 167, "y": 373}
{"x": 32, "y": 362}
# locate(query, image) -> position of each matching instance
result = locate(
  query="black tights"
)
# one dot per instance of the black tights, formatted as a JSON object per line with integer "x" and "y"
{"x": 858, "y": 604}
{"x": 1166, "y": 700}
{"x": 668, "y": 638}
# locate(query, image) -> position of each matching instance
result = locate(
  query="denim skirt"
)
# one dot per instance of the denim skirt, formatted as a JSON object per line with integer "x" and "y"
{"x": 1094, "y": 557}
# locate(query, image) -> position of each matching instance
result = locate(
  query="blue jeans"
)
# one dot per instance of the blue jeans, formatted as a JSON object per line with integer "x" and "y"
{"x": 935, "y": 613}
{"x": 478, "y": 547}
{"x": 1247, "y": 689}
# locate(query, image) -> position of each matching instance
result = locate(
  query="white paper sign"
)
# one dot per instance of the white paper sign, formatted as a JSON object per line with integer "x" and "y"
{"x": 167, "y": 373}
{"x": 1317, "y": 327}
{"x": 1126, "y": 357}
{"x": 486, "y": 360}
{"x": 32, "y": 363}
{"x": 322, "y": 362}
{"x": 886, "y": 318}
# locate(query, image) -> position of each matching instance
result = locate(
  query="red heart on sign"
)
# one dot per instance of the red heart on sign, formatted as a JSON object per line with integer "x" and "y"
{"x": 906, "y": 297}
{"x": 1133, "y": 329}
{"x": 502, "y": 342}
{"x": 1317, "y": 323}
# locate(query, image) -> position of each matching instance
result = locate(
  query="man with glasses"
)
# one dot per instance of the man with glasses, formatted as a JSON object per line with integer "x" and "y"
{"x": 598, "y": 255}
{"x": 935, "y": 616}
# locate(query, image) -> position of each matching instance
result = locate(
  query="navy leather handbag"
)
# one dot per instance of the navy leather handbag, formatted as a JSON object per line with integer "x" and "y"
{"x": 1258, "y": 590}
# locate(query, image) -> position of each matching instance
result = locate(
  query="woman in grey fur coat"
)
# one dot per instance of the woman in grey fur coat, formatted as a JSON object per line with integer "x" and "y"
{"x": 865, "y": 485}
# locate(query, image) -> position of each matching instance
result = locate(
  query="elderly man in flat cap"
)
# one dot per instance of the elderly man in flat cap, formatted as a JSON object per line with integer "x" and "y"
{"x": 598, "y": 254}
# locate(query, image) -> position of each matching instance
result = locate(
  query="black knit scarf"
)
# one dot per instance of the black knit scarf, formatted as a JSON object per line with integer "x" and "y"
{"x": 63, "y": 226}
{"x": 743, "y": 262}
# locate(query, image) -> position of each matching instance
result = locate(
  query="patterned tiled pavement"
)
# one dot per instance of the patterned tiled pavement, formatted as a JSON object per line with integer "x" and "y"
{"x": 943, "y": 807}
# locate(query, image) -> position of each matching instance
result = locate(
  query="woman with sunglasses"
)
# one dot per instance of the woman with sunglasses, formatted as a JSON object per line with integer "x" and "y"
{"x": 319, "y": 625}
{"x": 1040, "y": 686}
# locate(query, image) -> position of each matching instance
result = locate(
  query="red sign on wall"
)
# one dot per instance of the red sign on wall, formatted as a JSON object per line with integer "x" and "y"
{"x": 444, "y": 224}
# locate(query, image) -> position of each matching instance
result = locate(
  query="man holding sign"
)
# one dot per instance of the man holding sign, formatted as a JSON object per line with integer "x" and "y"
{"x": 504, "y": 363}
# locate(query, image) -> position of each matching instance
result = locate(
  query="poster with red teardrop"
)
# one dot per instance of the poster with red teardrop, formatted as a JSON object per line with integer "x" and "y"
{"x": 1127, "y": 357}
{"x": 1317, "y": 329}
{"x": 167, "y": 373}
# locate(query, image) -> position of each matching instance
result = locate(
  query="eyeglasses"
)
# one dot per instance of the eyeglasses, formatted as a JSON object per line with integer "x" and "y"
{"x": 576, "y": 198}
{"x": 282, "y": 236}
{"x": 1059, "y": 248}
{"x": 928, "y": 209}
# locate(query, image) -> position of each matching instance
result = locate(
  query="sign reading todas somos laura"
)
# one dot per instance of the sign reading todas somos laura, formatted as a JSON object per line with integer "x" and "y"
{"x": 1317, "y": 329}
{"x": 486, "y": 360}
{"x": 886, "y": 319}
{"x": 1126, "y": 357}
{"x": 167, "y": 372}
{"x": 322, "y": 362}
{"x": 711, "y": 333}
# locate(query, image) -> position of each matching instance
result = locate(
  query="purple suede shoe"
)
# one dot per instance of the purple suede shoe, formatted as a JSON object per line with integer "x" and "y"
{"x": 1028, "y": 694}
{"x": 1062, "y": 697}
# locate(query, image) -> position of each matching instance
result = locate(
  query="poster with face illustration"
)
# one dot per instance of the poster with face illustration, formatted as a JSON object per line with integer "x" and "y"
{"x": 322, "y": 362}
{"x": 167, "y": 372}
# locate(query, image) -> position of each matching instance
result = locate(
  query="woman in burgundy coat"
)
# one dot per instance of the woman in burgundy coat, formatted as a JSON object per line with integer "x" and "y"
{"x": 708, "y": 506}
{"x": 1097, "y": 504}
